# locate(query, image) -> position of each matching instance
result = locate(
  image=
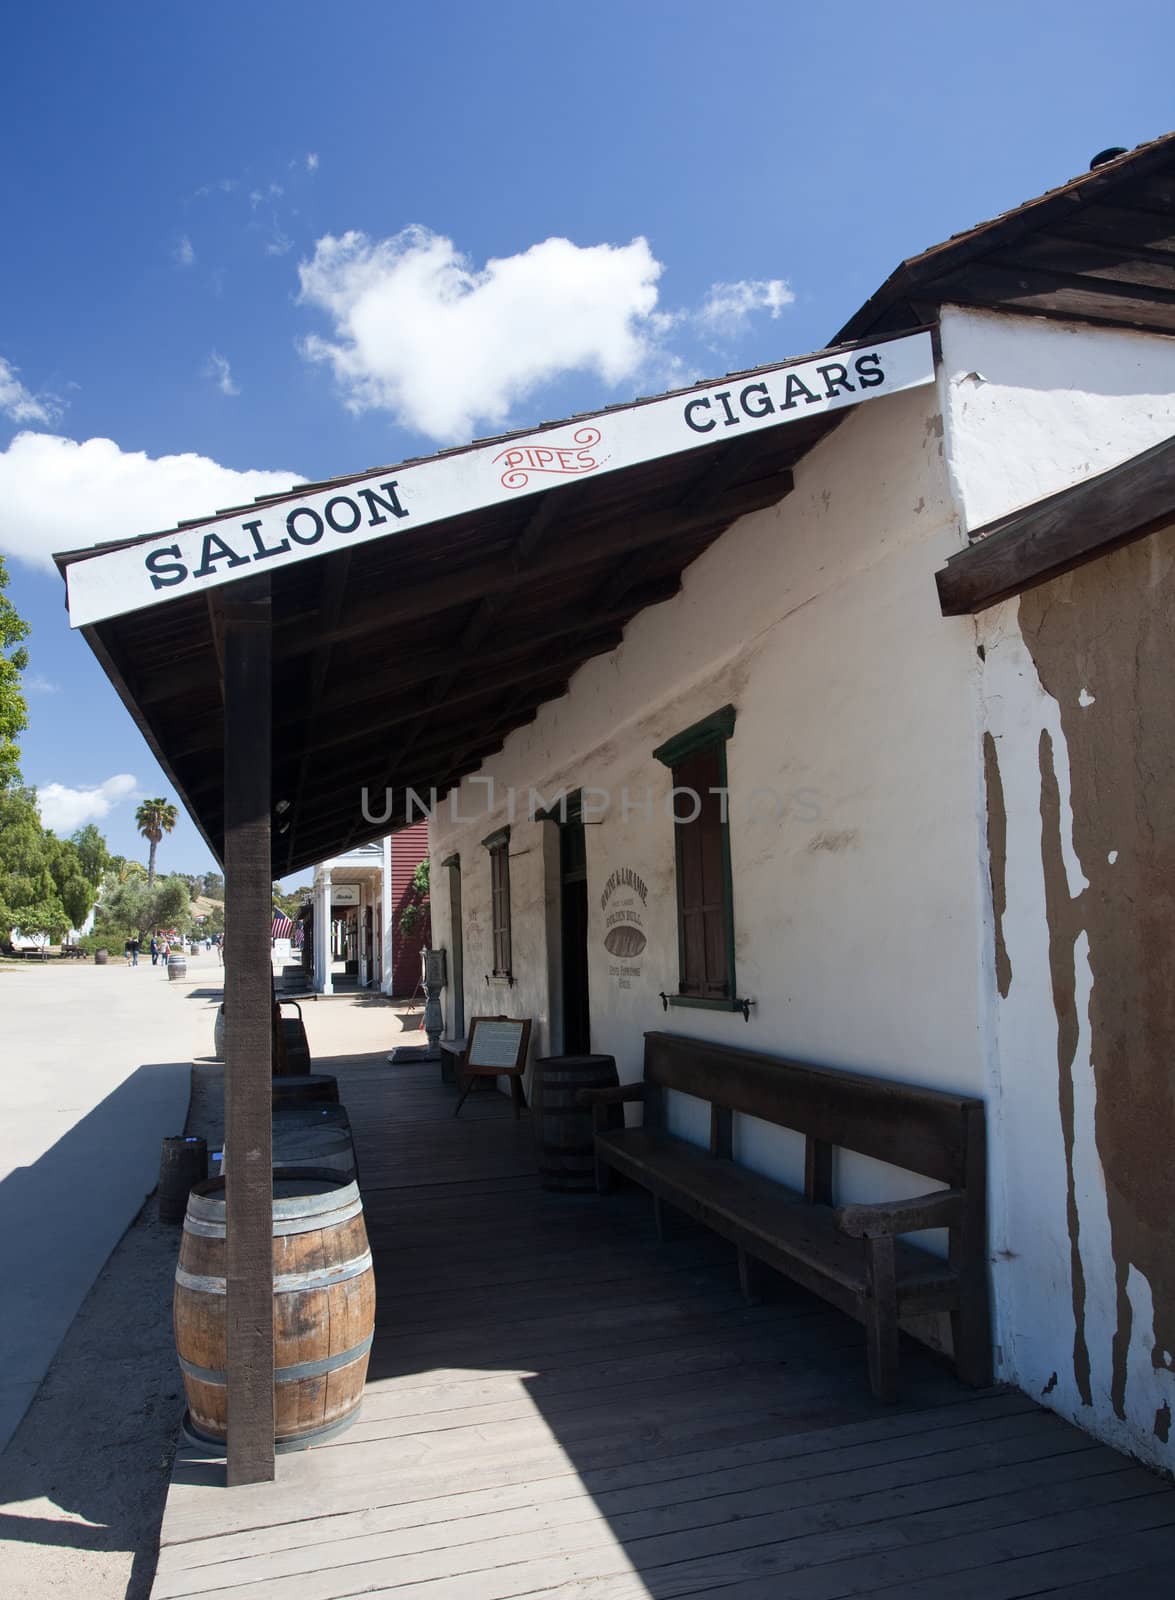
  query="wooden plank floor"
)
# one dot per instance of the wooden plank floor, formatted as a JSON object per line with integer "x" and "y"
{"x": 562, "y": 1408}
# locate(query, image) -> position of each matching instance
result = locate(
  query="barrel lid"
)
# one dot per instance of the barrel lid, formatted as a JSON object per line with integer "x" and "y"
{"x": 310, "y": 1114}
{"x": 575, "y": 1061}
{"x": 297, "y": 1192}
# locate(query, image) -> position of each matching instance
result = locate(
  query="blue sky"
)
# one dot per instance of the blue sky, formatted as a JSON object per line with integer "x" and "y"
{"x": 205, "y": 211}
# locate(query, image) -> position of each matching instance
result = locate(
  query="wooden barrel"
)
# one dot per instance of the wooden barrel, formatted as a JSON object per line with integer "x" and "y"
{"x": 177, "y": 967}
{"x": 563, "y": 1128}
{"x": 323, "y": 1307}
{"x": 288, "y": 1091}
{"x": 297, "y": 1045}
{"x": 101, "y": 957}
{"x": 183, "y": 1163}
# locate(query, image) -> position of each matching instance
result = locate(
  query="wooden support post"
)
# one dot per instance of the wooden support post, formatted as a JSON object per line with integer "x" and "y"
{"x": 248, "y": 1045}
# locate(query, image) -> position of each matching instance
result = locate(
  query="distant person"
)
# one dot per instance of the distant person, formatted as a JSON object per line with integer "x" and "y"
{"x": 154, "y": 950}
{"x": 220, "y": 948}
{"x": 133, "y": 950}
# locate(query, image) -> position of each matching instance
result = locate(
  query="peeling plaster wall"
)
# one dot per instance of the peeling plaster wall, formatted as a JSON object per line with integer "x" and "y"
{"x": 1078, "y": 726}
{"x": 854, "y": 776}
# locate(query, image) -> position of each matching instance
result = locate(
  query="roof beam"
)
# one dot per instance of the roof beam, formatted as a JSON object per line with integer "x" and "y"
{"x": 581, "y": 544}
{"x": 1077, "y": 525}
{"x": 378, "y": 717}
{"x": 426, "y": 667}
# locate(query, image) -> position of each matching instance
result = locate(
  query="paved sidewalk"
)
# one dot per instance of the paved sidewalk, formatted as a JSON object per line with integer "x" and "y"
{"x": 96, "y": 1071}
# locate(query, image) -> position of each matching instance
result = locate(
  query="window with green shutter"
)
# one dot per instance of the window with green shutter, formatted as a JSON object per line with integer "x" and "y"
{"x": 498, "y": 845}
{"x": 705, "y": 913}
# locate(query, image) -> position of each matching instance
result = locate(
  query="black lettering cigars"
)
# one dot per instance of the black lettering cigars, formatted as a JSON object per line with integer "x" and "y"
{"x": 755, "y": 400}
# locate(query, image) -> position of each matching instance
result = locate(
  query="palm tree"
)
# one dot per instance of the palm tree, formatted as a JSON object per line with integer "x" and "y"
{"x": 153, "y": 819}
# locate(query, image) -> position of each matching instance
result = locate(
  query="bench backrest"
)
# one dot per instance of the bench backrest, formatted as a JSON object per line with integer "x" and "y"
{"x": 926, "y": 1131}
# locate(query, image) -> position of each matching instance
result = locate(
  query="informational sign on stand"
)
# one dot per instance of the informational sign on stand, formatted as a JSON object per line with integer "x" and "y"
{"x": 496, "y": 1046}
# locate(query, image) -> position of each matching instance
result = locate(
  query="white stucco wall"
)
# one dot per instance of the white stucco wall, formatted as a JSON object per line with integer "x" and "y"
{"x": 853, "y": 778}
{"x": 1052, "y": 405}
{"x": 1033, "y": 406}
{"x": 862, "y": 904}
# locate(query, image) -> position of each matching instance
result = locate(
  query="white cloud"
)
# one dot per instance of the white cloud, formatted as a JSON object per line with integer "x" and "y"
{"x": 444, "y": 346}
{"x": 312, "y": 161}
{"x": 279, "y": 243}
{"x": 64, "y": 809}
{"x": 184, "y": 254}
{"x": 62, "y": 494}
{"x": 37, "y": 683}
{"x": 18, "y": 403}
{"x": 728, "y": 307}
{"x": 219, "y": 370}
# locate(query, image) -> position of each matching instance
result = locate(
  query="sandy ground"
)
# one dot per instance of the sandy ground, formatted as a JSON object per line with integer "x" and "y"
{"x": 84, "y": 1479}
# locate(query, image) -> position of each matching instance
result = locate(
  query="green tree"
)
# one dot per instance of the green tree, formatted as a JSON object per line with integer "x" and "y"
{"x": 92, "y": 853}
{"x": 293, "y": 902}
{"x": 74, "y": 889}
{"x": 415, "y": 914}
{"x": 214, "y": 886}
{"x": 136, "y": 907}
{"x": 14, "y": 658}
{"x": 153, "y": 819}
{"x": 26, "y": 857}
{"x": 122, "y": 870}
{"x": 46, "y": 919}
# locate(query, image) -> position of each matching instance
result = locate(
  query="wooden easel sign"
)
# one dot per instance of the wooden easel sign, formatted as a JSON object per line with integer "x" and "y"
{"x": 497, "y": 1048}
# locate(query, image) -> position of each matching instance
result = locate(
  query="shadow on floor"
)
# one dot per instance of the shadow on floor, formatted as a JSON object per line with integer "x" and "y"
{"x": 97, "y": 1440}
{"x": 559, "y": 1404}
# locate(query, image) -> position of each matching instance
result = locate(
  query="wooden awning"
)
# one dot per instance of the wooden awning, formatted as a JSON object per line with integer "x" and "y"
{"x": 1039, "y": 542}
{"x": 405, "y": 653}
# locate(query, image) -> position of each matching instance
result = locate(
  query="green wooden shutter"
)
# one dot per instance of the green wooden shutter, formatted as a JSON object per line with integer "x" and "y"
{"x": 702, "y": 889}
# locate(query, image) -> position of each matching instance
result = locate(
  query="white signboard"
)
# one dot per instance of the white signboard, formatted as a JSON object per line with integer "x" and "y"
{"x": 495, "y": 1044}
{"x": 296, "y": 529}
{"x": 344, "y": 894}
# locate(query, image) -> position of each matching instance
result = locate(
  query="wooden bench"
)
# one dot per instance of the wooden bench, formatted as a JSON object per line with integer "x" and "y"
{"x": 850, "y": 1255}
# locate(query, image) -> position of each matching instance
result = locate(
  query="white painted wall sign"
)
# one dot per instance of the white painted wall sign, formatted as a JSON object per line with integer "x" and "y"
{"x": 227, "y": 548}
{"x": 344, "y": 894}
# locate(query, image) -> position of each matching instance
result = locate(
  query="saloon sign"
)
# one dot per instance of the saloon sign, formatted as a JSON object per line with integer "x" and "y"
{"x": 297, "y": 527}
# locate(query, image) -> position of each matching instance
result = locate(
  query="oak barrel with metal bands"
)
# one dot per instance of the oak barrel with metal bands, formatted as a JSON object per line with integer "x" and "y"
{"x": 563, "y": 1128}
{"x": 323, "y": 1307}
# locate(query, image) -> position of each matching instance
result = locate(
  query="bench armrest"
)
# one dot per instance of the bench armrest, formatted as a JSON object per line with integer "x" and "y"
{"x": 614, "y": 1096}
{"x": 943, "y": 1209}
